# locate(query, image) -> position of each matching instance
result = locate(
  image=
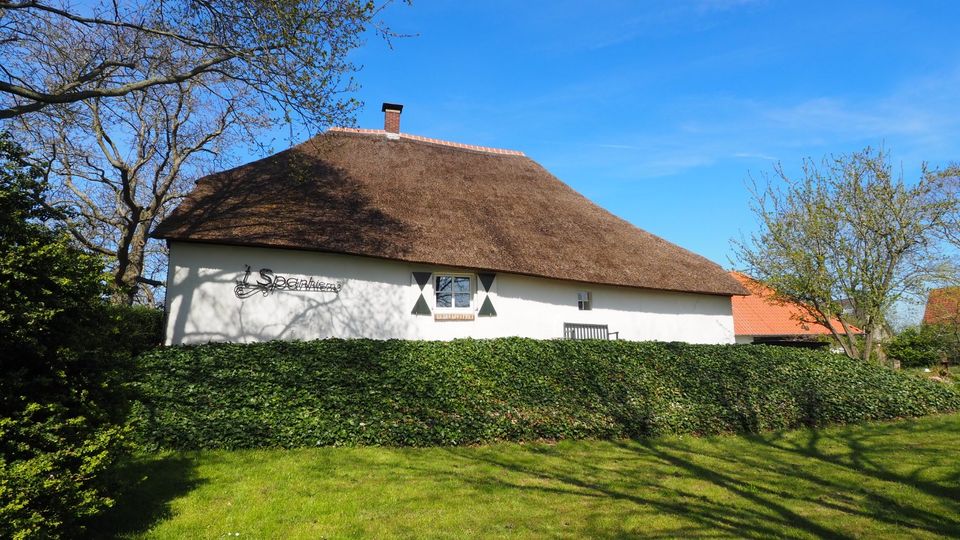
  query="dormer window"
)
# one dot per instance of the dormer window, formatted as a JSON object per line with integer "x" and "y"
{"x": 453, "y": 291}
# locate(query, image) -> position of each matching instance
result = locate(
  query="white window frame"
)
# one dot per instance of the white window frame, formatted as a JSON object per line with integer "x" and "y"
{"x": 453, "y": 299}
{"x": 585, "y": 305}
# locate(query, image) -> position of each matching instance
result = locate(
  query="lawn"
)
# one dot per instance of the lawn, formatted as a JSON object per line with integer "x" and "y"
{"x": 894, "y": 479}
{"x": 953, "y": 373}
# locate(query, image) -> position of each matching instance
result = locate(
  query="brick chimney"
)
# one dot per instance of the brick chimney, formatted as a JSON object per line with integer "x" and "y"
{"x": 391, "y": 117}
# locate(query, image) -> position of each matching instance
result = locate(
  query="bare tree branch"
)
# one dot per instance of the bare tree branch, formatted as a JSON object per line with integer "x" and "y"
{"x": 292, "y": 55}
{"x": 119, "y": 167}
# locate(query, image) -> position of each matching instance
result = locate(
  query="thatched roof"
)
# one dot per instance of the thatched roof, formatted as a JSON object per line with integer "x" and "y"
{"x": 414, "y": 199}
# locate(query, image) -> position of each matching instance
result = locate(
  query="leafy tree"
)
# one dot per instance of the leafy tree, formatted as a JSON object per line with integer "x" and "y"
{"x": 951, "y": 221}
{"x": 58, "y": 408}
{"x": 847, "y": 240}
{"x": 291, "y": 53}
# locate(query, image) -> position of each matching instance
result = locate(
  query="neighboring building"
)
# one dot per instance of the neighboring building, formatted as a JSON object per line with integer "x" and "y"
{"x": 374, "y": 233}
{"x": 943, "y": 306}
{"x": 760, "y": 318}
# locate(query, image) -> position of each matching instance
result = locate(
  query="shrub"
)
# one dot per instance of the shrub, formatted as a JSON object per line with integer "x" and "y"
{"x": 131, "y": 330}
{"x": 53, "y": 470}
{"x": 59, "y": 381}
{"x": 921, "y": 346}
{"x": 365, "y": 392}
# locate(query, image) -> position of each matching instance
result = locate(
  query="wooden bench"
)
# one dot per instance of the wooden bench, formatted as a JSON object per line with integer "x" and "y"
{"x": 588, "y": 331}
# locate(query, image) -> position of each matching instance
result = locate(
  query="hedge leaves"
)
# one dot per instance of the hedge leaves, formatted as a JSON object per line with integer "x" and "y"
{"x": 418, "y": 393}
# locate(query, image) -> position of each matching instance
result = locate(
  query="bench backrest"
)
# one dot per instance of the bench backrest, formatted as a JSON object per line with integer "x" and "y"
{"x": 585, "y": 331}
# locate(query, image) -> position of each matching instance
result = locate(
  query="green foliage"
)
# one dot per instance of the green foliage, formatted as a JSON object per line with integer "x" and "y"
{"x": 418, "y": 393}
{"x": 923, "y": 345}
{"x": 46, "y": 286}
{"x": 59, "y": 381}
{"x": 52, "y": 471}
{"x": 847, "y": 239}
{"x": 131, "y": 330}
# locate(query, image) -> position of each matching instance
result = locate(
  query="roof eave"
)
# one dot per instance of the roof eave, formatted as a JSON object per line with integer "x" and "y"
{"x": 174, "y": 238}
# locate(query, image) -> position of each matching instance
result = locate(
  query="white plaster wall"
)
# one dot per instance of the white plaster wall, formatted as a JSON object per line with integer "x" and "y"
{"x": 744, "y": 339}
{"x": 378, "y": 295}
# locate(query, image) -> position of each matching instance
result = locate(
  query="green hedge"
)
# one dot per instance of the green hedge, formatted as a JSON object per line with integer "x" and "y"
{"x": 131, "y": 330}
{"x": 364, "y": 392}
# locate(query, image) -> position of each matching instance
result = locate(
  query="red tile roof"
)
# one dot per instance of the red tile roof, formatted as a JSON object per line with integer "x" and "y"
{"x": 760, "y": 315}
{"x": 420, "y": 138}
{"x": 943, "y": 305}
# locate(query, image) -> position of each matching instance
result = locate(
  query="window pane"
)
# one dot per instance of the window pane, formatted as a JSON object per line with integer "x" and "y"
{"x": 462, "y": 299}
{"x": 444, "y": 299}
{"x": 583, "y": 300}
{"x": 444, "y": 283}
{"x": 461, "y": 284}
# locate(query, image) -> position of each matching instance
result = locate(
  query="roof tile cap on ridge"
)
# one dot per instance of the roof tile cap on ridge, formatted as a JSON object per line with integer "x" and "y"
{"x": 441, "y": 142}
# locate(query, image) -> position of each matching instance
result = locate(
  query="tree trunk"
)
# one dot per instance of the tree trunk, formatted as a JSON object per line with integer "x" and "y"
{"x": 130, "y": 261}
{"x": 867, "y": 344}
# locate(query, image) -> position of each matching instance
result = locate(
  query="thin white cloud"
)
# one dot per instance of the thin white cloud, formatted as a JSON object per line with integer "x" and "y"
{"x": 918, "y": 121}
{"x": 706, "y": 6}
{"x": 657, "y": 18}
{"x": 617, "y": 146}
{"x": 754, "y": 155}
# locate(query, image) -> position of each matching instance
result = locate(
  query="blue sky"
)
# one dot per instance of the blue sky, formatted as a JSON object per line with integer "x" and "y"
{"x": 658, "y": 111}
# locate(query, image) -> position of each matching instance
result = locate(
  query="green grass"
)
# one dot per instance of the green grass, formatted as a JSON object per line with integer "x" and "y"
{"x": 953, "y": 373}
{"x": 899, "y": 479}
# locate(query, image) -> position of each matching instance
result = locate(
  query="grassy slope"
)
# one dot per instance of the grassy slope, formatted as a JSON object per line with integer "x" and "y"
{"x": 953, "y": 371}
{"x": 880, "y": 480}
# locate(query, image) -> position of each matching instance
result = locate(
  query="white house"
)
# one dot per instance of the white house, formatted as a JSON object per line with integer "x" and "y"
{"x": 381, "y": 234}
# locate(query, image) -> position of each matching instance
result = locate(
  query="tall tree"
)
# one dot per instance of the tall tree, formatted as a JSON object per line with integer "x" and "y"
{"x": 951, "y": 222}
{"x": 129, "y": 102}
{"x": 291, "y": 53}
{"x": 847, "y": 240}
{"x": 119, "y": 166}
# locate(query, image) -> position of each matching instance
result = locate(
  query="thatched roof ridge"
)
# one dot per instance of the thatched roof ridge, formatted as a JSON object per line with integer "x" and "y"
{"x": 422, "y": 201}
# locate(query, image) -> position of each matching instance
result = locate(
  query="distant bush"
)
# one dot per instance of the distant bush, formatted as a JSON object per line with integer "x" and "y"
{"x": 923, "y": 345}
{"x": 364, "y": 392}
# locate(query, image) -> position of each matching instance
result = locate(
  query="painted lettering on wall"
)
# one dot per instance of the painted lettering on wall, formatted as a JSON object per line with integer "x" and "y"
{"x": 268, "y": 282}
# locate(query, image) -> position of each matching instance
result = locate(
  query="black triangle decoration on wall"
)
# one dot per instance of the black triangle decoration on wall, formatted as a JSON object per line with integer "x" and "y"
{"x": 421, "y": 308}
{"x": 486, "y": 309}
{"x": 486, "y": 280}
{"x": 422, "y": 278}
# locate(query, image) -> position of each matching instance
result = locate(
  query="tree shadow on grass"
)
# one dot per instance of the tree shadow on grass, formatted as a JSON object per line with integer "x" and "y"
{"x": 899, "y": 479}
{"x": 147, "y": 485}
{"x": 863, "y": 452}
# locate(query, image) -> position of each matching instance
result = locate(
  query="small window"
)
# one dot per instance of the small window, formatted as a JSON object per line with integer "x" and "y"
{"x": 453, "y": 292}
{"x": 584, "y": 301}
